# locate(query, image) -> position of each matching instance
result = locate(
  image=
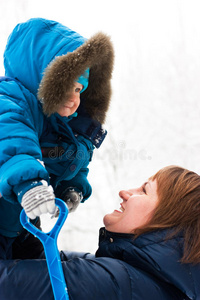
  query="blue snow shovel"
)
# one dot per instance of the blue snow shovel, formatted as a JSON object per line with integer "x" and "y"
{"x": 49, "y": 241}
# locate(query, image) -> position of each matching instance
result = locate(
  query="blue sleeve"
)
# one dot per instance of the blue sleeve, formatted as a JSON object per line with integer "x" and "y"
{"x": 86, "y": 279}
{"x": 20, "y": 153}
{"x": 79, "y": 182}
{"x": 77, "y": 172}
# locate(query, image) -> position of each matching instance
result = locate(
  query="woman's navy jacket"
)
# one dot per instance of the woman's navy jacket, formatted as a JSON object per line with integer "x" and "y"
{"x": 147, "y": 268}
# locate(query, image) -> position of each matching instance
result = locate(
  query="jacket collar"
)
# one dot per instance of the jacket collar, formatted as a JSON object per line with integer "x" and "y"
{"x": 108, "y": 241}
{"x": 105, "y": 234}
{"x": 143, "y": 240}
{"x": 152, "y": 253}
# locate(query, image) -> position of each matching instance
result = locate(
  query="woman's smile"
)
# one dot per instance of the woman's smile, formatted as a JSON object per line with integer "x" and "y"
{"x": 135, "y": 209}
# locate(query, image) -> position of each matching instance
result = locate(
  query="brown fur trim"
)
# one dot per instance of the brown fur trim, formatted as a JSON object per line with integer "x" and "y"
{"x": 98, "y": 55}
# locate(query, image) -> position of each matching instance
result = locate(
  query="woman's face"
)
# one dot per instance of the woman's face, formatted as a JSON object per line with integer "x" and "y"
{"x": 135, "y": 210}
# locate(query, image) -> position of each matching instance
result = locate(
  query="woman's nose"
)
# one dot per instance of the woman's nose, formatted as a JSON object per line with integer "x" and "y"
{"x": 124, "y": 195}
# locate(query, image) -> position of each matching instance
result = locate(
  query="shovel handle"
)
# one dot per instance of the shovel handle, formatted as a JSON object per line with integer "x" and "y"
{"x": 49, "y": 241}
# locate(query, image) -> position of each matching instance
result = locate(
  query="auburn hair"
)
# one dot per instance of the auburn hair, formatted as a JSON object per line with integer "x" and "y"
{"x": 178, "y": 208}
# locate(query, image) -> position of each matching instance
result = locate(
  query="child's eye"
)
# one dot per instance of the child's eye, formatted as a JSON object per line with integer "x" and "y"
{"x": 78, "y": 89}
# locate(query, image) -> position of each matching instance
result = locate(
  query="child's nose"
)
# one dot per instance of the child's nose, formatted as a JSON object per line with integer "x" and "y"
{"x": 74, "y": 97}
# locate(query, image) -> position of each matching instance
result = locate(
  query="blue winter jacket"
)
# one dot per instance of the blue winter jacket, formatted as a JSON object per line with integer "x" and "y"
{"x": 147, "y": 268}
{"x": 33, "y": 146}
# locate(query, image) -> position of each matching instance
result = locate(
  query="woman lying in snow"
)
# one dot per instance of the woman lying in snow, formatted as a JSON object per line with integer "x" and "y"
{"x": 150, "y": 249}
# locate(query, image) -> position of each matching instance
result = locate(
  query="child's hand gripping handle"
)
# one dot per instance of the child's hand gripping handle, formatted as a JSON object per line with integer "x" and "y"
{"x": 49, "y": 241}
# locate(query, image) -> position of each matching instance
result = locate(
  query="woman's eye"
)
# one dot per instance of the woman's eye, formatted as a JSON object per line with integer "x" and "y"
{"x": 143, "y": 189}
{"x": 77, "y": 90}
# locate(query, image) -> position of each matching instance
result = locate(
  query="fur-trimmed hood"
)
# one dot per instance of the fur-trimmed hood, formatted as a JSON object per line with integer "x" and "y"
{"x": 48, "y": 57}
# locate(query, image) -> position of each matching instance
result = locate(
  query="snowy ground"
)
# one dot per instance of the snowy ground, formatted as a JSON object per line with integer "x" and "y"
{"x": 154, "y": 117}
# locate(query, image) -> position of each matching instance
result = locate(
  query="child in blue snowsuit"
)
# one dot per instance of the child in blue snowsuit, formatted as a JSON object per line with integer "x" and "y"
{"x": 53, "y": 99}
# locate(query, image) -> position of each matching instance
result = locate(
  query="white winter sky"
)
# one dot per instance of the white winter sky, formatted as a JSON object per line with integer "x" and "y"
{"x": 154, "y": 119}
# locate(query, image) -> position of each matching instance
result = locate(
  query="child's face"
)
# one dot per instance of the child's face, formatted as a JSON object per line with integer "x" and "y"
{"x": 72, "y": 101}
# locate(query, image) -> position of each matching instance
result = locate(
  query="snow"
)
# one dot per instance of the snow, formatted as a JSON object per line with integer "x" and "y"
{"x": 153, "y": 119}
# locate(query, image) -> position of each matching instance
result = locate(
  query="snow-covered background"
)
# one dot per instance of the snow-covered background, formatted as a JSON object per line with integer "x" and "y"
{"x": 154, "y": 116}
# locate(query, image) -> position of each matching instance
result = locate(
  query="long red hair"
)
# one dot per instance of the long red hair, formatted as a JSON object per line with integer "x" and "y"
{"x": 178, "y": 207}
